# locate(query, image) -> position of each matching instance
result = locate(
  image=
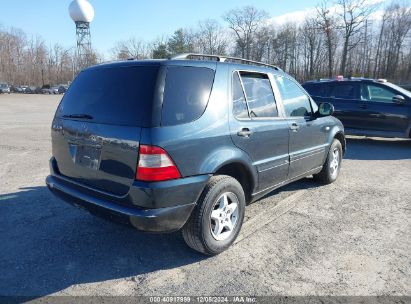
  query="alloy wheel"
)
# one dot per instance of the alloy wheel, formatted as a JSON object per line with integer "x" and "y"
{"x": 224, "y": 216}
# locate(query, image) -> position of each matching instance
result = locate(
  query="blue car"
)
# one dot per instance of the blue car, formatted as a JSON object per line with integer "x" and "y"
{"x": 366, "y": 106}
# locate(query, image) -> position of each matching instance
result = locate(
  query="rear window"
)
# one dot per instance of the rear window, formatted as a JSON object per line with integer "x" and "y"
{"x": 186, "y": 94}
{"x": 121, "y": 96}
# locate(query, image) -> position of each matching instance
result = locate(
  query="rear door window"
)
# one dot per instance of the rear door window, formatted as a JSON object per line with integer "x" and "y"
{"x": 186, "y": 94}
{"x": 324, "y": 90}
{"x": 344, "y": 91}
{"x": 259, "y": 93}
{"x": 312, "y": 89}
{"x": 319, "y": 90}
{"x": 115, "y": 95}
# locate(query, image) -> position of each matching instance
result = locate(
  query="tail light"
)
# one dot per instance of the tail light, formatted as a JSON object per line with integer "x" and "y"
{"x": 155, "y": 165}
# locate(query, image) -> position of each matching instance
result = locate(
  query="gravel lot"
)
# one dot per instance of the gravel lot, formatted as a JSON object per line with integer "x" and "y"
{"x": 348, "y": 238}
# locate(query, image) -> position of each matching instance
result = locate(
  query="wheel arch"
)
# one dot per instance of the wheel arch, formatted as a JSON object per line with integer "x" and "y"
{"x": 341, "y": 137}
{"x": 235, "y": 163}
{"x": 409, "y": 131}
{"x": 338, "y": 133}
{"x": 240, "y": 172}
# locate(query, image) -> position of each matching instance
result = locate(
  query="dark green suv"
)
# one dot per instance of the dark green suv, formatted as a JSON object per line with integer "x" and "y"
{"x": 185, "y": 143}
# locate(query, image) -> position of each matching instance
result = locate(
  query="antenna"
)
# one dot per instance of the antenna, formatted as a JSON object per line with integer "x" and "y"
{"x": 82, "y": 13}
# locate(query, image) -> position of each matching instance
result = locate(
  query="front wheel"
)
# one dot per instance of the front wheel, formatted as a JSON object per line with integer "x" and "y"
{"x": 217, "y": 219}
{"x": 332, "y": 166}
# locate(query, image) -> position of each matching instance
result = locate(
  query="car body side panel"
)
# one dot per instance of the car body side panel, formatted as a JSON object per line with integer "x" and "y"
{"x": 307, "y": 139}
{"x": 228, "y": 155}
{"x": 307, "y": 145}
{"x": 267, "y": 148}
{"x": 388, "y": 117}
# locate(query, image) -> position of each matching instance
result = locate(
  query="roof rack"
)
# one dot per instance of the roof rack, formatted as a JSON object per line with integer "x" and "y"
{"x": 222, "y": 59}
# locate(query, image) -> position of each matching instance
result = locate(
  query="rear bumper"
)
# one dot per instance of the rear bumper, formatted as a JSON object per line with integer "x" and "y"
{"x": 153, "y": 220}
{"x": 162, "y": 219}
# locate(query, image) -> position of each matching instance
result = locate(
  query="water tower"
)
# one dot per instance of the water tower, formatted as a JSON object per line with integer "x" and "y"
{"x": 82, "y": 14}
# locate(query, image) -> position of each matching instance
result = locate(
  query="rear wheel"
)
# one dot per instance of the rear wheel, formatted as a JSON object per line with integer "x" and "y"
{"x": 217, "y": 219}
{"x": 332, "y": 165}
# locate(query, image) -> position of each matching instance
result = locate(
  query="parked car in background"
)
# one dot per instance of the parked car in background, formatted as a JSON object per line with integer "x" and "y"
{"x": 38, "y": 90}
{"x": 25, "y": 89}
{"x": 62, "y": 89}
{"x": 366, "y": 106}
{"x": 54, "y": 90}
{"x": 47, "y": 89}
{"x": 16, "y": 89}
{"x": 4, "y": 88}
{"x": 186, "y": 143}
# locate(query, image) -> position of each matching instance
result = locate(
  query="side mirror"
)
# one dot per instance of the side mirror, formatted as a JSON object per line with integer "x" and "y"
{"x": 325, "y": 109}
{"x": 398, "y": 99}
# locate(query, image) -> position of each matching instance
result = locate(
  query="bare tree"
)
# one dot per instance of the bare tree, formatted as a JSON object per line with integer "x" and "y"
{"x": 326, "y": 24}
{"x": 245, "y": 22}
{"x": 26, "y": 61}
{"x": 260, "y": 44}
{"x": 312, "y": 43}
{"x": 131, "y": 48}
{"x": 399, "y": 25}
{"x": 353, "y": 14}
{"x": 211, "y": 38}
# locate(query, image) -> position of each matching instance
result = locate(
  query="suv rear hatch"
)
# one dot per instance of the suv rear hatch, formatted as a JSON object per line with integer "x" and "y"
{"x": 97, "y": 126}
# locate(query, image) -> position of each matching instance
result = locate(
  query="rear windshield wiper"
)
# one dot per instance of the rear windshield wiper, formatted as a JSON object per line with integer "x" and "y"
{"x": 80, "y": 116}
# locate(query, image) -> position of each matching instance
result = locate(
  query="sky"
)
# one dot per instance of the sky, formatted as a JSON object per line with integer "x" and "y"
{"x": 117, "y": 20}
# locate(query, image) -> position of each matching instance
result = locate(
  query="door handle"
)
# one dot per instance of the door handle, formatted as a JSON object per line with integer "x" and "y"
{"x": 245, "y": 132}
{"x": 294, "y": 126}
{"x": 363, "y": 106}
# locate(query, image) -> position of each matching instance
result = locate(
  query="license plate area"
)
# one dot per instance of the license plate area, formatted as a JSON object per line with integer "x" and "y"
{"x": 87, "y": 156}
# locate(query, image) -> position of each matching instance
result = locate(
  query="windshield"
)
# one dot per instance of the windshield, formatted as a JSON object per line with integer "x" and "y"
{"x": 401, "y": 90}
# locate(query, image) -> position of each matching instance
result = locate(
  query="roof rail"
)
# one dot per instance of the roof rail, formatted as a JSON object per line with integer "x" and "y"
{"x": 221, "y": 59}
{"x": 197, "y": 57}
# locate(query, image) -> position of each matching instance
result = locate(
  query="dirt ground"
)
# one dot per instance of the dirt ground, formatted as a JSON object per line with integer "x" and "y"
{"x": 348, "y": 238}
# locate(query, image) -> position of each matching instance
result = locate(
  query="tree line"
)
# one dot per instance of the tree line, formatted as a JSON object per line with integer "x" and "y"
{"x": 342, "y": 37}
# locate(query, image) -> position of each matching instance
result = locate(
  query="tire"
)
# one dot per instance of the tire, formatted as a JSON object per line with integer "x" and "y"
{"x": 331, "y": 168}
{"x": 201, "y": 232}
